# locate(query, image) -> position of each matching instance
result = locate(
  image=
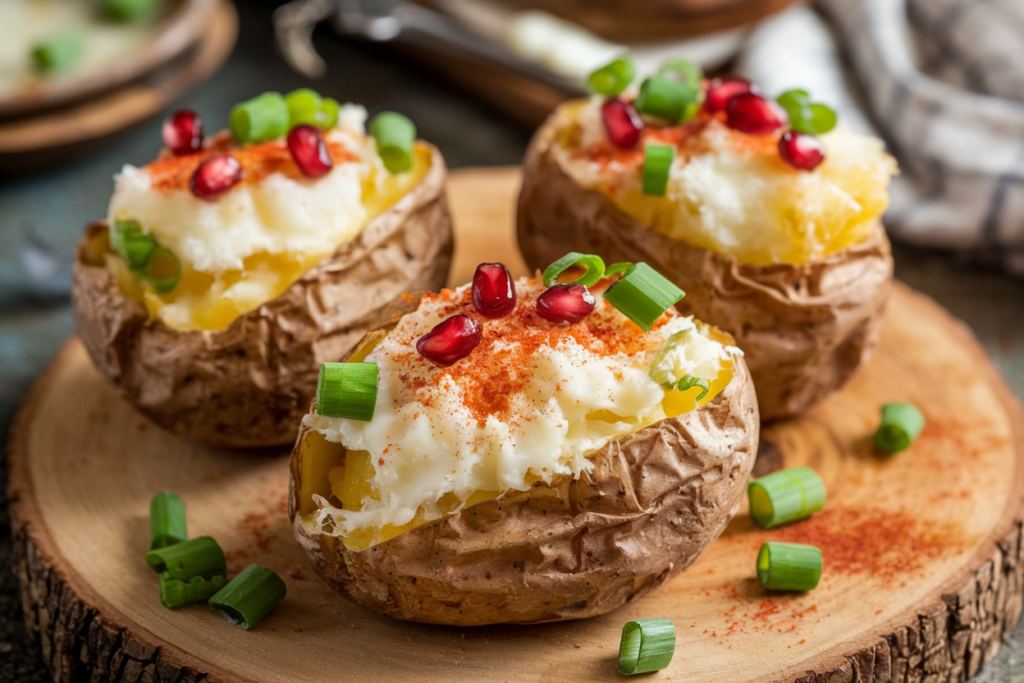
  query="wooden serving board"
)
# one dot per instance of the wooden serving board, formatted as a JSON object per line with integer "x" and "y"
{"x": 922, "y": 551}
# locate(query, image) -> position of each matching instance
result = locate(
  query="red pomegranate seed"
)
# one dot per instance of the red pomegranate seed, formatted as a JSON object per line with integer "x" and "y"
{"x": 622, "y": 122}
{"x": 721, "y": 90}
{"x": 183, "y": 132}
{"x": 565, "y": 303}
{"x": 494, "y": 295}
{"x": 801, "y": 150}
{"x": 751, "y": 113}
{"x": 309, "y": 151}
{"x": 450, "y": 340}
{"x": 214, "y": 176}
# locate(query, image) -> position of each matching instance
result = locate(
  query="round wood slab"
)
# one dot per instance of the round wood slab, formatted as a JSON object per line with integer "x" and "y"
{"x": 922, "y": 551}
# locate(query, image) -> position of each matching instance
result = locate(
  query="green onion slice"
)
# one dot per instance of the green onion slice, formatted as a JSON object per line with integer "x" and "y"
{"x": 617, "y": 268}
{"x": 901, "y": 424}
{"x": 657, "y": 166}
{"x": 167, "y": 524}
{"x": 347, "y": 390}
{"x": 132, "y": 245}
{"x": 689, "y": 382}
{"x": 175, "y": 592}
{"x": 304, "y": 106}
{"x": 395, "y": 135}
{"x": 668, "y": 99}
{"x": 785, "y": 496}
{"x": 249, "y": 596}
{"x": 805, "y": 116}
{"x": 127, "y": 10}
{"x": 163, "y": 270}
{"x": 329, "y": 109}
{"x": 262, "y": 118}
{"x": 643, "y": 295}
{"x": 59, "y": 52}
{"x": 788, "y": 566}
{"x": 613, "y": 78}
{"x": 593, "y": 264}
{"x": 647, "y": 645}
{"x": 189, "y": 559}
{"x": 681, "y": 71}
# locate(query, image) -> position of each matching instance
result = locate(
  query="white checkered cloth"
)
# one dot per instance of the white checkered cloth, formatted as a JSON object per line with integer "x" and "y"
{"x": 942, "y": 81}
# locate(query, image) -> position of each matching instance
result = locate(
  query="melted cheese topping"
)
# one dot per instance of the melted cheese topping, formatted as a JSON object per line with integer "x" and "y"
{"x": 533, "y": 401}
{"x": 255, "y": 240}
{"x": 731, "y": 192}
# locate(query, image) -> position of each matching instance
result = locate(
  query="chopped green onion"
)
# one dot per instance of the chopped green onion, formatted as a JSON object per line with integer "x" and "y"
{"x": 613, "y": 78}
{"x": 689, "y": 382}
{"x": 175, "y": 592}
{"x": 249, "y": 596}
{"x": 127, "y": 10}
{"x": 183, "y": 561}
{"x": 59, "y": 52}
{"x": 262, "y": 118}
{"x": 594, "y": 265}
{"x": 670, "y": 100}
{"x": 329, "y": 109}
{"x": 304, "y": 106}
{"x": 347, "y": 390}
{"x": 163, "y": 270}
{"x": 785, "y": 496}
{"x": 395, "y": 135}
{"x": 805, "y": 116}
{"x": 657, "y": 166}
{"x": 647, "y": 645}
{"x": 664, "y": 373}
{"x": 167, "y": 524}
{"x": 788, "y": 566}
{"x": 901, "y": 424}
{"x": 617, "y": 268}
{"x": 643, "y": 295}
{"x": 681, "y": 71}
{"x": 132, "y": 245}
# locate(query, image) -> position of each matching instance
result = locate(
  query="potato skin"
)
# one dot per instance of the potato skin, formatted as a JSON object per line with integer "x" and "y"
{"x": 250, "y": 384}
{"x": 804, "y": 329}
{"x": 573, "y": 549}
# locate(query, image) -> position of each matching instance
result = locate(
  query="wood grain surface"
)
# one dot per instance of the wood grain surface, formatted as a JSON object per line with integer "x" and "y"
{"x": 922, "y": 551}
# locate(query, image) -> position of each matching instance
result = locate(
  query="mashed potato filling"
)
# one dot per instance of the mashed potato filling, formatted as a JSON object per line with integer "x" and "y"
{"x": 730, "y": 192}
{"x": 532, "y": 402}
{"x": 259, "y": 237}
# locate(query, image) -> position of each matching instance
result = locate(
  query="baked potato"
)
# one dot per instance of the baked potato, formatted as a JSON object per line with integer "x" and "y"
{"x": 276, "y": 273}
{"x": 795, "y": 264}
{"x": 554, "y": 471}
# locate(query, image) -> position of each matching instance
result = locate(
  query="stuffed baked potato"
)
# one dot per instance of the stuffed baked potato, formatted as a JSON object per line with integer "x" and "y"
{"x": 793, "y": 262}
{"x": 259, "y": 260}
{"x": 544, "y": 470}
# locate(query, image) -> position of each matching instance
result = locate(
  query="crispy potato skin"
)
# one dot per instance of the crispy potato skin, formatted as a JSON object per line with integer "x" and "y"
{"x": 573, "y": 549}
{"x": 804, "y": 329}
{"x": 250, "y": 384}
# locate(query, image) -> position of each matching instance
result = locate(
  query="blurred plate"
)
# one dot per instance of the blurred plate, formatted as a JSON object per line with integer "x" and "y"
{"x": 57, "y": 136}
{"x": 142, "y": 50}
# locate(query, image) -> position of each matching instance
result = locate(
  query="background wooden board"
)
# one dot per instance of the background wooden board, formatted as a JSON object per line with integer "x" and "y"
{"x": 922, "y": 551}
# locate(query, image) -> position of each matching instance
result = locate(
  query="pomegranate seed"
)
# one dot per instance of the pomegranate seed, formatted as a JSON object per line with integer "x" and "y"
{"x": 183, "y": 132}
{"x": 801, "y": 150}
{"x": 753, "y": 114}
{"x": 565, "y": 303}
{"x": 721, "y": 90}
{"x": 450, "y": 340}
{"x": 309, "y": 151}
{"x": 494, "y": 295}
{"x": 622, "y": 122}
{"x": 214, "y": 176}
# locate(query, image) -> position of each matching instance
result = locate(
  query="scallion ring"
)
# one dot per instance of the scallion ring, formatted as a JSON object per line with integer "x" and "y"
{"x": 643, "y": 295}
{"x": 58, "y": 53}
{"x": 681, "y": 70}
{"x": 785, "y": 496}
{"x": 613, "y": 78}
{"x": 594, "y": 269}
{"x": 657, "y": 167}
{"x": 167, "y": 524}
{"x": 262, "y": 118}
{"x": 304, "y": 107}
{"x": 666, "y": 99}
{"x": 176, "y": 593}
{"x": 689, "y": 381}
{"x": 249, "y": 596}
{"x": 329, "y": 109}
{"x": 133, "y": 246}
{"x": 617, "y": 268}
{"x": 197, "y": 557}
{"x": 162, "y": 270}
{"x": 901, "y": 424}
{"x": 812, "y": 118}
{"x": 788, "y": 566}
{"x": 347, "y": 390}
{"x": 647, "y": 645}
{"x": 128, "y": 10}
{"x": 395, "y": 135}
